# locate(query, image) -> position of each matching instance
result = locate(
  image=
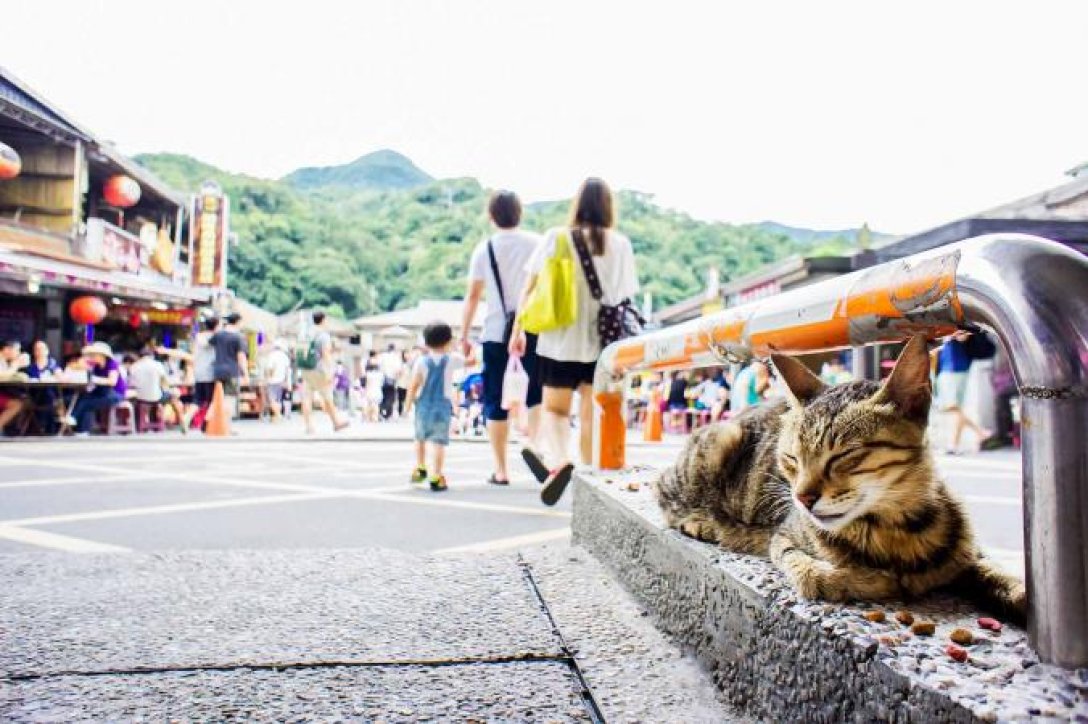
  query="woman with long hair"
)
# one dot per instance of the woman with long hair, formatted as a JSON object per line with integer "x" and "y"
{"x": 568, "y": 356}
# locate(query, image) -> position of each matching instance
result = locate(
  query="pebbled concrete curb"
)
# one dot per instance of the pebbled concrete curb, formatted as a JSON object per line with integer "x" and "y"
{"x": 779, "y": 657}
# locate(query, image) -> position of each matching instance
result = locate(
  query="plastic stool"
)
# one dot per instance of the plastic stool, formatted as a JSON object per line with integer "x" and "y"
{"x": 121, "y": 424}
{"x": 149, "y": 417}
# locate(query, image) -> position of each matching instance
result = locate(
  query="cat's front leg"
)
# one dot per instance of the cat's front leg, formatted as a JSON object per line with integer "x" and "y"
{"x": 816, "y": 578}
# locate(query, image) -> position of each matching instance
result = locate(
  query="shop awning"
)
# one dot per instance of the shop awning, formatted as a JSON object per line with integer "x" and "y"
{"x": 76, "y": 276}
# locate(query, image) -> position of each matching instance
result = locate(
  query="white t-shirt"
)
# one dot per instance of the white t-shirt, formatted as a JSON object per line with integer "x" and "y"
{"x": 390, "y": 364}
{"x": 619, "y": 280}
{"x": 277, "y": 365}
{"x": 455, "y": 364}
{"x": 145, "y": 378}
{"x": 513, "y": 249}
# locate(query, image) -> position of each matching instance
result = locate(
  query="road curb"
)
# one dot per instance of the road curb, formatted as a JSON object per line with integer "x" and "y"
{"x": 779, "y": 657}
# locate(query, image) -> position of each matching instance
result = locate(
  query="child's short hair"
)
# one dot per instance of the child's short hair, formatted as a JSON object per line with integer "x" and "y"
{"x": 437, "y": 334}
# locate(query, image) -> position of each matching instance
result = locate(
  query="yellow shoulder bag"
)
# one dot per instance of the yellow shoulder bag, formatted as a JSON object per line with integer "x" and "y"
{"x": 554, "y": 301}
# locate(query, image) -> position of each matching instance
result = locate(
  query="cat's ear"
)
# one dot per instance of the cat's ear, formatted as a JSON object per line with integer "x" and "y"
{"x": 802, "y": 384}
{"x": 908, "y": 387}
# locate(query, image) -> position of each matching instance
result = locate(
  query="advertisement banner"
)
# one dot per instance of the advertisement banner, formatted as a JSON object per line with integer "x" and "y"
{"x": 209, "y": 233}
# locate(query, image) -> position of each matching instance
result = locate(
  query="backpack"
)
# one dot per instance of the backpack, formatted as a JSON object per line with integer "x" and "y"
{"x": 614, "y": 321}
{"x": 306, "y": 355}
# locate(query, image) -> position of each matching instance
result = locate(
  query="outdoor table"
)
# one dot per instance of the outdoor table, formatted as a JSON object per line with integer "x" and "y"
{"x": 61, "y": 386}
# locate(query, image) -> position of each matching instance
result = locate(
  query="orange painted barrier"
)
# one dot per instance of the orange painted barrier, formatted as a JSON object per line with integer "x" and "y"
{"x": 218, "y": 418}
{"x": 651, "y": 429}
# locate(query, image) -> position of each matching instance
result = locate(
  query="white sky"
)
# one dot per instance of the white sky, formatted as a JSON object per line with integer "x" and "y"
{"x": 821, "y": 114}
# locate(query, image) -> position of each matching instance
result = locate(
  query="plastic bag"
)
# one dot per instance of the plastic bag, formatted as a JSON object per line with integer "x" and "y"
{"x": 515, "y": 384}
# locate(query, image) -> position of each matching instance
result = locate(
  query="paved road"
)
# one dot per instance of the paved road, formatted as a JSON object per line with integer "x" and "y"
{"x": 255, "y": 491}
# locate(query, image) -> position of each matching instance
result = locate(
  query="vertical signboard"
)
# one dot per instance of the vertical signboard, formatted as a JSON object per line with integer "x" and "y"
{"x": 209, "y": 232}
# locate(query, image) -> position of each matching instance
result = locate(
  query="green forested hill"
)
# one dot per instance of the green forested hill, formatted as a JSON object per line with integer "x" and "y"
{"x": 357, "y": 251}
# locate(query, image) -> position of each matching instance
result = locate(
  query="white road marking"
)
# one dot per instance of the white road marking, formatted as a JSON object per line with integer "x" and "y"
{"x": 78, "y": 480}
{"x": 56, "y": 541}
{"x": 446, "y": 502}
{"x": 164, "y": 509}
{"x": 1012, "y": 561}
{"x": 500, "y": 544}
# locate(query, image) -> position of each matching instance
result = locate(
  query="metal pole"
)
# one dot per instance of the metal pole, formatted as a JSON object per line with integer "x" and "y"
{"x": 1032, "y": 293}
{"x": 1034, "y": 296}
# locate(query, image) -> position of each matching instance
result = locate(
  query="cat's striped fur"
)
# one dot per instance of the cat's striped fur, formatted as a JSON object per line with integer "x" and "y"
{"x": 838, "y": 487}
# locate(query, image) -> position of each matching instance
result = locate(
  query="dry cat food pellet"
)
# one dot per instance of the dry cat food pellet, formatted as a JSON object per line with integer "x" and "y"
{"x": 874, "y": 616}
{"x": 924, "y": 628}
{"x": 904, "y": 617}
{"x": 633, "y": 487}
{"x": 990, "y": 624}
{"x": 962, "y": 636}
{"x": 956, "y": 652}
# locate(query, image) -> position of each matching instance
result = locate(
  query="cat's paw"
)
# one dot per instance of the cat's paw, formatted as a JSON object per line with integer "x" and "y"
{"x": 699, "y": 528}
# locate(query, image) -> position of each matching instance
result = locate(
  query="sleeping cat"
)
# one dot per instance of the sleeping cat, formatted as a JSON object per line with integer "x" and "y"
{"x": 837, "y": 486}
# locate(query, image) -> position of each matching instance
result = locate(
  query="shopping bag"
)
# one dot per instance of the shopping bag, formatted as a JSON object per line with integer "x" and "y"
{"x": 515, "y": 384}
{"x": 554, "y": 301}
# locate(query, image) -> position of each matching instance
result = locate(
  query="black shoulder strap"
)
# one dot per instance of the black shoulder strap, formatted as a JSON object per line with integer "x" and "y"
{"x": 495, "y": 271}
{"x": 588, "y": 267}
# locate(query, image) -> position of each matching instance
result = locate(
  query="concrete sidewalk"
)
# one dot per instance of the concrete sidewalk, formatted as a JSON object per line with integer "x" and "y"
{"x": 372, "y": 634}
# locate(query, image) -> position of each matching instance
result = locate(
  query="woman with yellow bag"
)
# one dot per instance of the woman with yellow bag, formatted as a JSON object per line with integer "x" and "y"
{"x": 562, "y": 304}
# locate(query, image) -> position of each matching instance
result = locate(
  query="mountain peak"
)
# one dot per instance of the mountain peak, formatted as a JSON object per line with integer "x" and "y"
{"x": 383, "y": 169}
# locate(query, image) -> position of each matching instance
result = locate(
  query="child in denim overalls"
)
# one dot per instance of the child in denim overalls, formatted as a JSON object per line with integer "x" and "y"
{"x": 429, "y": 392}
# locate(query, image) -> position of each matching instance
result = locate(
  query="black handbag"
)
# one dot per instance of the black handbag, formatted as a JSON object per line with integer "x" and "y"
{"x": 614, "y": 321}
{"x": 508, "y": 316}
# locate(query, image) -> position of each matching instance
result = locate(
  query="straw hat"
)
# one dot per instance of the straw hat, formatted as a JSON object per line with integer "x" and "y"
{"x": 98, "y": 348}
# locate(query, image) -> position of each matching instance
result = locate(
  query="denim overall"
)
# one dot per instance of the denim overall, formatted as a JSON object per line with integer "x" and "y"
{"x": 433, "y": 409}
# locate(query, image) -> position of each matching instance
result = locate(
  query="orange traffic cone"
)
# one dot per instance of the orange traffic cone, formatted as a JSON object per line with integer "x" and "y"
{"x": 651, "y": 429}
{"x": 217, "y": 422}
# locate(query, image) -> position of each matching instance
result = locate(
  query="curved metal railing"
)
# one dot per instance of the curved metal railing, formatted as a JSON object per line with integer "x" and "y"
{"x": 1031, "y": 292}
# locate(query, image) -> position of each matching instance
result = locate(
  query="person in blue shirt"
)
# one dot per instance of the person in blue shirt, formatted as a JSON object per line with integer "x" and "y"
{"x": 43, "y": 367}
{"x": 953, "y": 365}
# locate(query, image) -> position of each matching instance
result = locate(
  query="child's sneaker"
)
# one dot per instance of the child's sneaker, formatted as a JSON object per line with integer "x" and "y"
{"x": 439, "y": 484}
{"x": 419, "y": 475}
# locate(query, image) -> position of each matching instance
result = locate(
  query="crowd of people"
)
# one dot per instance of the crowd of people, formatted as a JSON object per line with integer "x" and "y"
{"x": 452, "y": 382}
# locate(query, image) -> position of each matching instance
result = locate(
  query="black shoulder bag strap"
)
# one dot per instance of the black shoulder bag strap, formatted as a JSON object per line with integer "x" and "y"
{"x": 588, "y": 267}
{"x": 495, "y": 271}
{"x": 508, "y": 316}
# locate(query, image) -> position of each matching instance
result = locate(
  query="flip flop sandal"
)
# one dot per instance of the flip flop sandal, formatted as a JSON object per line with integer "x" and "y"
{"x": 555, "y": 484}
{"x": 536, "y": 465}
{"x": 495, "y": 481}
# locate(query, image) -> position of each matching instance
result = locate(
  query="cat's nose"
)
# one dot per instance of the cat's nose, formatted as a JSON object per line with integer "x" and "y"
{"x": 808, "y": 499}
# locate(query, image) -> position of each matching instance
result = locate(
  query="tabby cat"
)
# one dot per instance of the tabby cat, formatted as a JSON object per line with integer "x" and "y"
{"x": 838, "y": 487}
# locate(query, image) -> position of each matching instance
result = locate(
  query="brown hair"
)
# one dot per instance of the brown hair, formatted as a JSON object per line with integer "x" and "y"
{"x": 505, "y": 209}
{"x": 592, "y": 212}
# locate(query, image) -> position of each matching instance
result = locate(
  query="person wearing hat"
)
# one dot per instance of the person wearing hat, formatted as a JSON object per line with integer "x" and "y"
{"x": 107, "y": 386}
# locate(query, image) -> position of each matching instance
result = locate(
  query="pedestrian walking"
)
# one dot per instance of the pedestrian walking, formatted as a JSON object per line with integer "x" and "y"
{"x": 568, "y": 355}
{"x": 390, "y": 362}
{"x": 231, "y": 365}
{"x": 953, "y": 366}
{"x": 317, "y": 367}
{"x": 277, "y": 374}
{"x": 498, "y": 266}
{"x": 373, "y": 379}
{"x": 429, "y": 393}
{"x": 404, "y": 377}
{"x": 203, "y": 371}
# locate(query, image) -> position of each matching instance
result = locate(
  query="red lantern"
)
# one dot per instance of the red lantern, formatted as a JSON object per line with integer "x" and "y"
{"x": 121, "y": 191}
{"x": 87, "y": 310}
{"x": 10, "y": 163}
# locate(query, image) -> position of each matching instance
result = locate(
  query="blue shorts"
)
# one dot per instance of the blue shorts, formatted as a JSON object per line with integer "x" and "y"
{"x": 496, "y": 356}
{"x": 433, "y": 423}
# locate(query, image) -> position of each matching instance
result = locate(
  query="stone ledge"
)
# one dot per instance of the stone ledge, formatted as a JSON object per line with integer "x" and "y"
{"x": 780, "y": 657}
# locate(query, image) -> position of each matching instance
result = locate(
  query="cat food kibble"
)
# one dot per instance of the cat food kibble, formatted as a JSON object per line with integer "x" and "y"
{"x": 962, "y": 636}
{"x": 924, "y": 628}
{"x": 956, "y": 652}
{"x": 633, "y": 487}
{"x": 874, "y": 616}
{"x": 990, "y": 624}
{"x": 904, "y": 617}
